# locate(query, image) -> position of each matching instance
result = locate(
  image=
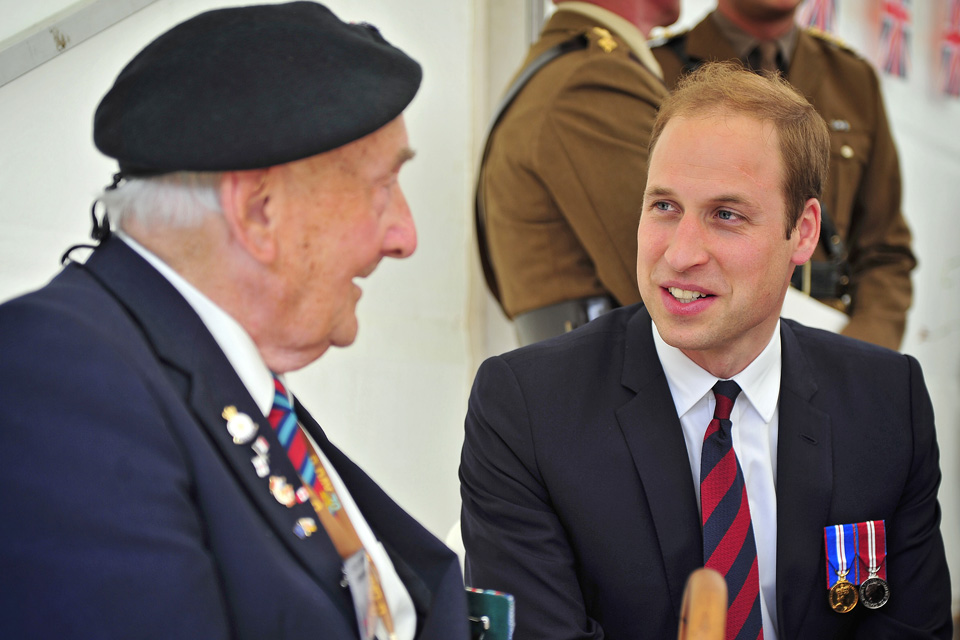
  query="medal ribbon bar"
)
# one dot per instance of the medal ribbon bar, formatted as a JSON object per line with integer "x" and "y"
{"x": 872, "y": 549}
{"x": 840, "y": 541}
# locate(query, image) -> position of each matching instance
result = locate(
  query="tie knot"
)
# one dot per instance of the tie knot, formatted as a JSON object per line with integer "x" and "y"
{"x": 278, "y": 386}
{"x": 281, "y": 403}
{"x": 726, "y": 392}
{"x": 766, "y": 56}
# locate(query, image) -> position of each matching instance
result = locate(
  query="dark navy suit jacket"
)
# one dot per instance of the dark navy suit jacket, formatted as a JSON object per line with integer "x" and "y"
{"x": 127, "y": 510}
{"x": 578, "y": 497}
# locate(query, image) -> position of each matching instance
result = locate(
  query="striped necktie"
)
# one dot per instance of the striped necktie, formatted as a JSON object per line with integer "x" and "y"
{"x": 366, "y": 589}
{"x": 728, "y": 542}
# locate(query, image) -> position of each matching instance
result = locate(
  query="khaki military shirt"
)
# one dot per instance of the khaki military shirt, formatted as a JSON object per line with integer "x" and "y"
{"x": 564, "y": 175}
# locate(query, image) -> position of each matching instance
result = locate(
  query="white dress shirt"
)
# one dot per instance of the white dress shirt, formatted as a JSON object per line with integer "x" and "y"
{"x": 246, "y": 360}
{"x": 755, "y": 419}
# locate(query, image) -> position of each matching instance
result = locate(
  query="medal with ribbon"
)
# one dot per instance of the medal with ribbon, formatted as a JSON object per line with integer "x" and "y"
{"x": 872, "y": 554}
{"x": 840, "y": 541}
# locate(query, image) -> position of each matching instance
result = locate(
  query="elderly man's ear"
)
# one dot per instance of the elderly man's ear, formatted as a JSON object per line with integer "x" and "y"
{"x": 244, "y": 196}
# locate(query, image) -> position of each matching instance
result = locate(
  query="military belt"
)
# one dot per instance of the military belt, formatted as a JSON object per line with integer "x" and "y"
{"x": 552, "y": 320}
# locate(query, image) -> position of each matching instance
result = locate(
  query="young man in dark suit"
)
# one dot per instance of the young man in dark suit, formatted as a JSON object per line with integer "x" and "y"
{"x": 160, "y": 480}
{"x": 600, "y": 468}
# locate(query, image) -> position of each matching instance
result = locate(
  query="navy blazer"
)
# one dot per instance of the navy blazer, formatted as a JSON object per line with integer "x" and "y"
{"x": 127, "y": 509}
{"x": 578, "y": 497}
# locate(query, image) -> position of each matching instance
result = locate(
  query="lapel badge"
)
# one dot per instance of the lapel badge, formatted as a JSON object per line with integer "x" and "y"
{"x": 840, "y": 125}
{"x": 303, "y": 495}
{"x": 305, "y": 528}
{"x": 261, "y": 461}
{"x": 262, "y": 465}
{"x": 261, "y": 447}
{"x": 282, "y": 491}
{"x": 240, "y": 426}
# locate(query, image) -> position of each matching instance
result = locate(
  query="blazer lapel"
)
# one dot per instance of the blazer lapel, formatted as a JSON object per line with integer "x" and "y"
{"x": 804, "y": 488}
{"x": 203, "y": 376}
{"x": 654, "y": 436}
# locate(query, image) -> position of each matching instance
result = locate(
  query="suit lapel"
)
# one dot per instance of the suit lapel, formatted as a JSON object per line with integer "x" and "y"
{"x": 654, "y": 436}
{"x": 807, "y": 68}
{"x": 203, "y": 376}
{"x": 705, "y": 43}
{"x": 804, "y": 488}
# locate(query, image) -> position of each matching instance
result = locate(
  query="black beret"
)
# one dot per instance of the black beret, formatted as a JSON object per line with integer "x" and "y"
{"x": 252, "y": 87}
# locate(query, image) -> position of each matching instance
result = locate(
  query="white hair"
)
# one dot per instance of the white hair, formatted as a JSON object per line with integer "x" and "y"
{"x": 182, "y": 199}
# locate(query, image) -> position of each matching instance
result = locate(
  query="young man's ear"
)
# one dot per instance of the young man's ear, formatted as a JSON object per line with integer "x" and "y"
{"x": 807, "y": 231}
{"x": 244, "y": 196}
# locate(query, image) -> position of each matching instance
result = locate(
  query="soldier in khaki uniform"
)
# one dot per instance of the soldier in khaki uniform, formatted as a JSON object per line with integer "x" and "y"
{"x": 563, "y": 177}
{"x": 862, "y": 194}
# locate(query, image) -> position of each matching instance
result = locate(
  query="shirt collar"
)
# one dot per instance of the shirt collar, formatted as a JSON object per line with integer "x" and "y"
{"x": 743, "y": 43}
{"x": 234, "y": 341}
{"x": 689, "y": 383}
{"x": 628, "y": 32}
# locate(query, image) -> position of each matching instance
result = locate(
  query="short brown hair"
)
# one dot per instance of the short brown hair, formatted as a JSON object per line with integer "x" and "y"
{"x": 726, "y": 87}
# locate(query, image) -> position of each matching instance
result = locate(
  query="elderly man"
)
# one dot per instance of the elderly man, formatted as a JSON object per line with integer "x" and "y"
{"x": 562, "y": 178}
{"x": 161, "y": 481}
{"x": 602, "y": 467}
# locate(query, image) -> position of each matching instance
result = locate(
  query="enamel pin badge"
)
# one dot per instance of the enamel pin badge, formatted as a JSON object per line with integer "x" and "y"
{"x": 283, "y": 491}
{"x": 239, "y": 425}
{"x": 305, "y": 528}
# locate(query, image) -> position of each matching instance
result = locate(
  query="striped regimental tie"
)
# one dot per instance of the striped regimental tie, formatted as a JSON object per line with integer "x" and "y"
{"x": 728, "y": 543}
{"x": 364, "y": 580}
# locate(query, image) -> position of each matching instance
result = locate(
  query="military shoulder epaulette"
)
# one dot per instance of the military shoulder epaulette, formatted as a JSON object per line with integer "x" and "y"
{"x": 830, "y": 38}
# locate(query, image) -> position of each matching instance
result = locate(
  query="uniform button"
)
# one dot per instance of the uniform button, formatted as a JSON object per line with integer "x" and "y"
{"x": 846, "y": 151}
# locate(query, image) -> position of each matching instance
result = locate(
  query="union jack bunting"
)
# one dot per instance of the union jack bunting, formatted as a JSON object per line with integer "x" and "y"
{"x": 819, "y": 14}
{"x": 950, "y": 52}
{"x": 895, "y": 32}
